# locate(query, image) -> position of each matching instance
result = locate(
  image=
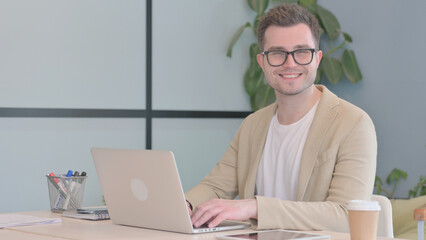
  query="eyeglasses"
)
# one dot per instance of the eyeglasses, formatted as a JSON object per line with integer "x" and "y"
{"x": 277, "y": 58}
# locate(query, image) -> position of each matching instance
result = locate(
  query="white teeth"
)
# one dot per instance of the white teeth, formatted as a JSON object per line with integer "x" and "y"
{"x": 290, "y": 76}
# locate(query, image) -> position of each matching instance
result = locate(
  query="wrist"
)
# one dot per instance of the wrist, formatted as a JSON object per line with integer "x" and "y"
{"x": 253, "y": 207}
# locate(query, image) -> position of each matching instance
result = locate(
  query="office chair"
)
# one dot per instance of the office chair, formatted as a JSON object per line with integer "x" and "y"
{"x": 385, "y": 227}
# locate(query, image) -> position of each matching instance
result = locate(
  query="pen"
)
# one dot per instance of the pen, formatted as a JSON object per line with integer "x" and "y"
{"x": 70, "y": 187}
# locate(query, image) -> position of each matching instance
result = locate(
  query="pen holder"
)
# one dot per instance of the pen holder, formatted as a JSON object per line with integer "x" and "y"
{"x": 65, "y": 193}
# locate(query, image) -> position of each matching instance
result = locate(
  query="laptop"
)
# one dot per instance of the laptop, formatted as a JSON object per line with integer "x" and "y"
{"x": 142, "y": 188}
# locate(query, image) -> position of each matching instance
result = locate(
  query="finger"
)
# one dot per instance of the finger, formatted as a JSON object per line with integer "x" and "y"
{"x": 189, "y": 208}
{"x": 199, "y": 210}
{"x": 218, "y": 219}
{"x": 205, "y": 215}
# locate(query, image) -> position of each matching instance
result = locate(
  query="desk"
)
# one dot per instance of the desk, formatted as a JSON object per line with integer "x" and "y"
{"x": 71, "y": 228}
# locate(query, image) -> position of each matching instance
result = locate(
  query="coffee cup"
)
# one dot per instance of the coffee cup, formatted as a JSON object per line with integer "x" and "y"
{"x": 363, "y": 219}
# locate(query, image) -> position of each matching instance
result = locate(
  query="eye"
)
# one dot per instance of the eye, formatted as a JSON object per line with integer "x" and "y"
{"x": 276, "y": 53}
{"x": 303, "y": 52}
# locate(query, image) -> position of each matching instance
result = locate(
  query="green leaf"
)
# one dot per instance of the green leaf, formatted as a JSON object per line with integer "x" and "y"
{"x": 378, "y": 189}
{"x": 419, "y": 189}
{"x": 396, "y": 175}
{"x": 253, "y": 78}
{"x": 350, "y": 66}
{"x": 329, "y": 21}
{"x": 256, "y": 24}
{"x": 264, "y": 96}
{"x": 252, "y": 104}
{"x": 254, "y": 50}
{"x": 378, "y": 184}
{"x": 332, "y": 69}
{"x": 378, "y": 181}
{"x": 258, "y": 6}
{"x": 312, "y": 9}
{"x": 286, "y": 1}
{"x": 412, "y": 193}
{"x": 307, "y": 3}
{"x": 235, "y": 38}
{"x": 347, "y": 37}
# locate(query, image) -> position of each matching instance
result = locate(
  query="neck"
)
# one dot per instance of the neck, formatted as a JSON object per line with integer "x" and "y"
{"x": 291, "y": 108}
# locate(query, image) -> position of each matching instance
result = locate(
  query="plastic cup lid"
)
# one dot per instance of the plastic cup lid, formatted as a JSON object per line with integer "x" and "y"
{"x": 363, "y": 205}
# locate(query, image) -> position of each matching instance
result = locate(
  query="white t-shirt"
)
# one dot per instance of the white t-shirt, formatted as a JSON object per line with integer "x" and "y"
{"x": 278, "y": 172}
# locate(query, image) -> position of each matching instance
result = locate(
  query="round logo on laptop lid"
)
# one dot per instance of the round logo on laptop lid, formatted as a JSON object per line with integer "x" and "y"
{"x": 139, "y": 189}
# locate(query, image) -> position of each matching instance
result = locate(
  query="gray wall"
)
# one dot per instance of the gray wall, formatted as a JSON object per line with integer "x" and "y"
{"x": 91, "y": 54}
{"x": 388, "y": 41}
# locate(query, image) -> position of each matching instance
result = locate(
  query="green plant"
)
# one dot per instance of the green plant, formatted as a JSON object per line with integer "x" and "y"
{"x": 331, "y": 67}
{"x": 394, "y": 177}
{"x": 419, "y": 189}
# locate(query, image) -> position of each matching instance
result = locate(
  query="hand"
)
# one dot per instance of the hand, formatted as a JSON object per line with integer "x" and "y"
{"x": 215, "y": 211}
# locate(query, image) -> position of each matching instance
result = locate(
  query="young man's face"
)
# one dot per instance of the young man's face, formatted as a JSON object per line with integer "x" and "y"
{"x": 290, "y": 78}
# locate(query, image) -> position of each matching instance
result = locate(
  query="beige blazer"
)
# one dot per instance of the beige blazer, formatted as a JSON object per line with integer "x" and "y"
{"x": 338, "y": 164}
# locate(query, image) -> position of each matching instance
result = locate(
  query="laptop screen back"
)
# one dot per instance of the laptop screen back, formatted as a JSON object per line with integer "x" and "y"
{"x": 142, "y": 188}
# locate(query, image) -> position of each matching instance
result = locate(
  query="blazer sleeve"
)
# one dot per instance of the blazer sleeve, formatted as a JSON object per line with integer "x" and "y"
{"x": 221, "y": 182}
{"x": 352, "y": 178}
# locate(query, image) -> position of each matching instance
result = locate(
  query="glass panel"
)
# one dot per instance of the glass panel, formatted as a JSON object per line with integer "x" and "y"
{"x": 34, "y": 147}
{"x": 190, "y": 67}
{"x": 196, "y": 143}
{"x": 72, "y": 54}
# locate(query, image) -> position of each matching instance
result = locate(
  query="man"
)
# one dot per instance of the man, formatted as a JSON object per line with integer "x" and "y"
{"x": 296, "y": 163}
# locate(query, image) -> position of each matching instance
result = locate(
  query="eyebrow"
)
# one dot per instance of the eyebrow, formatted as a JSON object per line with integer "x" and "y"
{"x": 301, "y": 46}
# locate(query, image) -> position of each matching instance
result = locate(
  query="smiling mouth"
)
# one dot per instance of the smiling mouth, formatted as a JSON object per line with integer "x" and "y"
{"x": 290, "y": 76}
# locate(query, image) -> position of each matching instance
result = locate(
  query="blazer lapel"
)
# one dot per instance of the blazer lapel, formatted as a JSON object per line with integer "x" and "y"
{"x": 256, "y": 150}
{"x": 324, "y": 117}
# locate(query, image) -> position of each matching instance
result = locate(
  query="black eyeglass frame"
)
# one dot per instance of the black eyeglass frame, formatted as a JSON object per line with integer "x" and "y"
{"x": 312, "y": 50}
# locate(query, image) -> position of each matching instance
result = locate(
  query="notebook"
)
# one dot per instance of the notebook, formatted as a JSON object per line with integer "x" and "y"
{"x": 94, "y": 214}
{"x": 142, "y": 188}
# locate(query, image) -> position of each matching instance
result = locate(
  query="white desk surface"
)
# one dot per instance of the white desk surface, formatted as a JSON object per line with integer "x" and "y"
{"x": 71, "y": 228}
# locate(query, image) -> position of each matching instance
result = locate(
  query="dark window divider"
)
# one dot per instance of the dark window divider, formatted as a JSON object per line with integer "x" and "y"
{"x": 198, "y": 114}
{"x": 71, "y": 113}
{"x": 148, "y": 80}
{"x": 115, "y": 113}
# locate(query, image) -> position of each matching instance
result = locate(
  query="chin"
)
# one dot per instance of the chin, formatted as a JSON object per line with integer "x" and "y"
{"x": 294, "y": 91}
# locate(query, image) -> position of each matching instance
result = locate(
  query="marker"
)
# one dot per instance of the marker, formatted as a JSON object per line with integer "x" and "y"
{"x": 83, "y": 174}
{"x": 69, "y": 174}
{"x": 62, "y": 190}
{"x": 70, "y": 187}
{"x": 74, "y": 182}
{"x": 61, "y": 186}
{"x": 78, "y": 183}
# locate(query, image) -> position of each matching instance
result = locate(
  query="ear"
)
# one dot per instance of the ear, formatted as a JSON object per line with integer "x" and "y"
{"x": 319, "y": 57}
{"x": 261, "y": 60}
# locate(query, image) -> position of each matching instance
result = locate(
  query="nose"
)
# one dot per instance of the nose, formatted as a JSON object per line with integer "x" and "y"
{"x": 290, "y": 61}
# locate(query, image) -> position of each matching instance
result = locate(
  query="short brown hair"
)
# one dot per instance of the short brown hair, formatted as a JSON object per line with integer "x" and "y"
{"x": 287, "y": 15}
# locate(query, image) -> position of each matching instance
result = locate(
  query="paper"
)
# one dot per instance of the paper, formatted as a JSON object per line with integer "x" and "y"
{"x": 17, "y": 220}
